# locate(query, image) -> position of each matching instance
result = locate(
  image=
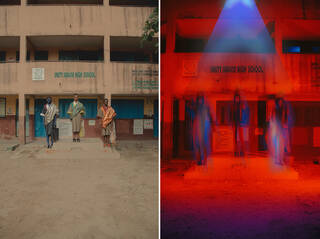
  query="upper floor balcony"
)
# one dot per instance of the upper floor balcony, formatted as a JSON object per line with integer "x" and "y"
{"x": 45, "y": 17}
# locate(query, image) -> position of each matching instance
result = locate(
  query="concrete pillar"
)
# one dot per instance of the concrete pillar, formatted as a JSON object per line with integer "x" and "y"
{"x": 213, "y": 108}
{"x": 182, "y": 133}
{"x": 22, "y": 118}
{"x": 107, "y": 73}
{"x": 278, "y": 36}
{"x": 167, "y": 128}
{"x": 22, "y": 98}
{"x": 278, "y": 77}
{"x": 171, "y": 33}
{"x": 169, "y": 69}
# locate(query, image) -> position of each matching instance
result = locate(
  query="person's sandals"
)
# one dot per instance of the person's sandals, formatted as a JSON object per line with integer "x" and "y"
{"x": 78, "y": 140}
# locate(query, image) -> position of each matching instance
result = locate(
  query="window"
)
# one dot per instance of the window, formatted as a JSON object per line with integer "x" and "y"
{"x": 129, "y": 49}
{"x": 302, "y": 47}
{"x": 129, "y": 56}
{"x": 294, "y": 49}
{"x": 81, "y": 55}
{"x": 41, "y": 55}
{"x": 128, "y": 109}
{"x": 305, "y": 114}
{"x": 2, "y": 107}
{"x": 138, "y": 3}
{"x": 10, "y": 2}
{"x": 65, "y": 2}
{"x": 223, "y": 45}
{"x": 17, "y": 56}
{"x": 2, "y": 56}
{"x": 189, "y": 44}
{"x": 28, "y": 55}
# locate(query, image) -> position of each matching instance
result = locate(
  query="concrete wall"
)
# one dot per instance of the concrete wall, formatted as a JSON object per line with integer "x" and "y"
{"x": 102, "y": 20}
{"x": 72, "y": 20}
{"x": 83, "y": 20}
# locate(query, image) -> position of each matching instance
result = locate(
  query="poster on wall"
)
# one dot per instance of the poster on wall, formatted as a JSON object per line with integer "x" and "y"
{"x": 2, "y": 107}
{"x": 190, "y": 68}
{"x": 148, "y": 123}
{"x": 224, "y": 139}
{"x": 316, "y": 137}
{"x": 138, "y": 126}
{"x": 65, "y": 127}
{"x": 37, "y": 73}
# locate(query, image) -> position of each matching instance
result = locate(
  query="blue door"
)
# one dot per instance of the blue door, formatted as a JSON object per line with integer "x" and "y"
{"x": 90, "y": 106}
{"x": 156, "y": 118}
{"x": 39, "y": 130}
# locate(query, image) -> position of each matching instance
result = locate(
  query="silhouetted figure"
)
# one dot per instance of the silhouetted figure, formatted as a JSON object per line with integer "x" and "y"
{"x": 278, "y": 130}
{"x": 240, "y": 120}
{"x": 202, "y": 131}
{"x": 282, "y": 114}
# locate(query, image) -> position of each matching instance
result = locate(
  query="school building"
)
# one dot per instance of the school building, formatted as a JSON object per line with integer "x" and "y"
{"x": 289, "y": 67}
{"x": 91, "y": 47}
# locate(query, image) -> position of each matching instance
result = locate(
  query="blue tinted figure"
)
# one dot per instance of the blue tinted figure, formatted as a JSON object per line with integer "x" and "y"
{"x": 202, "y": 131}
{"x": 241, "y": 114}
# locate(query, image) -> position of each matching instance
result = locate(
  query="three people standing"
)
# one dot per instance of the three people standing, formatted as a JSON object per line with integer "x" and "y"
{"x": 76, "y": 110}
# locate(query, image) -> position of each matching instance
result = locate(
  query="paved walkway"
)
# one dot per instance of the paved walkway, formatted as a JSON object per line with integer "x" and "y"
{"x": 9, "y": 144}
{"x": 65, "y": 148}
{"x": 79, "y": 190}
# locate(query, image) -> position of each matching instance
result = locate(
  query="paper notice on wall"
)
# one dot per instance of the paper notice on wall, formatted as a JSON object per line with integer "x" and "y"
{"x": 91, "y": 122}
{"x": 190, "y": 68}
{"x": 148, "y": 123}
{"x": 37, "y": 73}
{"x": 65, "y": 127}
{"x": 223, "y": 139}
{"x": 316, "y": 137}
{"x": 138, "y": 126}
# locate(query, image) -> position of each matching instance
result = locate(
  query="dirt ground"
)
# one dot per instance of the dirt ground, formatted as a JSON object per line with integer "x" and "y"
{"x": 238, "y": 207}
{"x": 77, "y": 190}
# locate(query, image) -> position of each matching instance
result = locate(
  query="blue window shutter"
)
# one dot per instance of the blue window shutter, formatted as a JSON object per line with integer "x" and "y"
{"x": 128, "y": 109}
